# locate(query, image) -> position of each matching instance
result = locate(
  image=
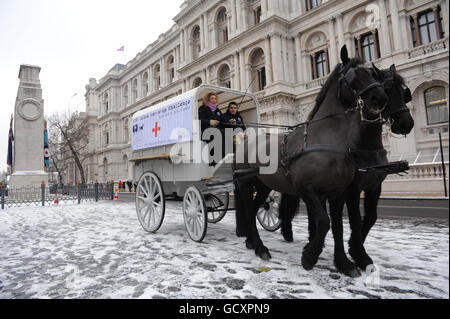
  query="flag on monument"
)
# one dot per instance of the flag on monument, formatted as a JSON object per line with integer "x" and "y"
{"x": 122, "y": 48}
{"x": 10, "y": 144}
{"x": 46, "y": 153}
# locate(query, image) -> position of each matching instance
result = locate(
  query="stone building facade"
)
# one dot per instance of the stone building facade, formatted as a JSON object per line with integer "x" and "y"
{"x": 282, "y": 51}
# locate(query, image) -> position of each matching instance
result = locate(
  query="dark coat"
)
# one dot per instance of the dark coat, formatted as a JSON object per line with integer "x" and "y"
{"x": 237, "y": 117}
{"x": 205, "y": 115}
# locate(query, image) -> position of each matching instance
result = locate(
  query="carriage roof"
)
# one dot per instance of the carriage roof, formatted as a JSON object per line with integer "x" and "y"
{"x": 187, "y": 119}
{"x": 225, "y": 96}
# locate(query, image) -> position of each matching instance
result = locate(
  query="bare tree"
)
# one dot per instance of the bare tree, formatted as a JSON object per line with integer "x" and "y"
{"x": 69, "y": 138}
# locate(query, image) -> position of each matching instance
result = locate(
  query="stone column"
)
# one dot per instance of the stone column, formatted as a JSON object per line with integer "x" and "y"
{"x": 444, "y": 12}
{"x": 340, "y": 28}
{"x": 244, "y": 16}
{"x": 276, "y": 57}
{"x": 242, "y": 69}
{"x": 235, "y": 71}
{"x": 306, "y": 59}
{"x": 398, "y": 45}
{"x": 151, "y": 86}
{"x": 163, "y": 71}
{"x": 285, "y": 58}
{"x": 263, "y": 9}
{"x": 233, "y": 18}
{"x": 186, "y": 47}
{"x": 332, "y": 52}
{"x": 298, "y": 58}
{"x": 183, "y": 56}
{"x": 202, "y": 33}
{"x": 248, "y": 77}
{"x": 239, "y": 27}
{"x": 385, "y": 45}
{"x": 267, "y": 53}
{"x": 175, "y": 63}
{"x": 205, "y": 31}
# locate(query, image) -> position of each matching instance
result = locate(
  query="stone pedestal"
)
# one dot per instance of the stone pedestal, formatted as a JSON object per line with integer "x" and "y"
{"x": 28, "y": 168}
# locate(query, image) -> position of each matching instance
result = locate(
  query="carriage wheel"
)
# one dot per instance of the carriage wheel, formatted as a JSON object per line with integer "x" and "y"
{"x": 268, "y": 213}
{"x": 219, "y": 201}
{"x": 150, "y": 202}
{"x": 195, "y": 214}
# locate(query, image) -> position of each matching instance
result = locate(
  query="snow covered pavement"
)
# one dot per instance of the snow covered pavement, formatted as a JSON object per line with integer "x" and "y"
{"x": 99, "y": 250}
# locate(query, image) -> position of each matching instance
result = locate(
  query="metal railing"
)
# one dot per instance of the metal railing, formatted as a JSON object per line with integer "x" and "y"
{"x": 54, "y": 194}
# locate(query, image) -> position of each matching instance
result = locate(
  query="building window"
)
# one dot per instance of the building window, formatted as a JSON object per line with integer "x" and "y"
{"x": 426, "y": 27}
{"x": 311, "y": 4}
{"x": 157, "y": 76}
{"x": 258, "y": 63}
{"x": 105, "y": 167}
{"x": 196, "y": 45}
{"x": 134, "y": 90}
{"x": 224, "y": 76}
{"x": 125, "y": 95}
{"x": 171, "y": 68}
{"x": 145, "y": 84}
{"x": 197, "y": 82}
{"x": 367, "y": 46}
{"x": 222, "y": 28}
{"x": 106, "y": 103}
{"x": 319, "y": 64}
{"x": 257, "y": 15}
{"x": 436, "y": 104}
{"x": 126, "y": 131}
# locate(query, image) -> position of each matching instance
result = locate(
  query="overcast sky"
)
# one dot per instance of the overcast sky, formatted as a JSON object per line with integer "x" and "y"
{"x": 72, "y": 41}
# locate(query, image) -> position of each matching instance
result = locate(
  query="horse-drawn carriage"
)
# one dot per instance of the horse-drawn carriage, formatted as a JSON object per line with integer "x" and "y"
{"x": 167, "y": 156}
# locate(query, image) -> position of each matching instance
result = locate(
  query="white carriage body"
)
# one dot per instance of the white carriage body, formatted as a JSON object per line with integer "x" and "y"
{"x": 156, "y": 157}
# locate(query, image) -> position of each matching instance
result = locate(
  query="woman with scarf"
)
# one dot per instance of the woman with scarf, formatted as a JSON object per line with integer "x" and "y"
{"x": 209, "y": 114}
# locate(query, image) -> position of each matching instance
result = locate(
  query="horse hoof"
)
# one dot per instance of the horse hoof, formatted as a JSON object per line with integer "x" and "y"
{"x": 352, "y": 273}
{"x": 265, "y": 256}
{"x": 263, "y": 253}
{"x": 287, "y": 235}
{"x": 249, "y": 244}
{"x": 307, "y": 265}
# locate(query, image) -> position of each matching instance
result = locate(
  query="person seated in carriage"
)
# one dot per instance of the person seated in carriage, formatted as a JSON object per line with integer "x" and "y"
{"x": 209, "y": 113}
{"x": 233, "y": 117}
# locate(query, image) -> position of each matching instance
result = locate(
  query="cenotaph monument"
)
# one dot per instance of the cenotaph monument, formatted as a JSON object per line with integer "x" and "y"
{"x": 28, "y": 159}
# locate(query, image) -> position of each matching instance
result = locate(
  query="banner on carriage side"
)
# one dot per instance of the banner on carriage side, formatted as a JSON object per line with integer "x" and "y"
{"x": 167, "y": 124}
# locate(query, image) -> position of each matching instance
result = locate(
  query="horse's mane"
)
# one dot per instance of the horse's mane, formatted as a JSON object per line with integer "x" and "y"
{"x": 331, "y": 78}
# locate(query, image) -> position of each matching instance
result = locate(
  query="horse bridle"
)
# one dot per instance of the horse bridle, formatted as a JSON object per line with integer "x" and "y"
{"x": 389, "y": 117}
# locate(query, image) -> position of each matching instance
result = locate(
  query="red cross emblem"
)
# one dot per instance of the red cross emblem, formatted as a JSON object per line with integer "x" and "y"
{"x": 156, "y": 129}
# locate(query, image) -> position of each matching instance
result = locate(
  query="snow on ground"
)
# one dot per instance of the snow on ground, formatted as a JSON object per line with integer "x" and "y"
{"x": 99, "y": 250}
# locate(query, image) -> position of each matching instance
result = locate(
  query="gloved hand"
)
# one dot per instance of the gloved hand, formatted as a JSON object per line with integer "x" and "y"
{"x": 214, "y": 123}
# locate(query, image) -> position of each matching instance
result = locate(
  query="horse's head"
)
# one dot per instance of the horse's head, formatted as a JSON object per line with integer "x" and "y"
{"x": 358, "y": 87}
{"x": 398, "y": 96}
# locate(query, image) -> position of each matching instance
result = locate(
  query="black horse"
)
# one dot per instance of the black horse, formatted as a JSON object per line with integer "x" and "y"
{"x": 367, "y": 150}
{"x": 314, "y": 160}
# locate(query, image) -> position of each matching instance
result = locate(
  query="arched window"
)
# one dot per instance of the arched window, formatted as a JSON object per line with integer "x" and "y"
{"x": 196, "y": 47}
{"x": 436, "y": 104}
{"x": 224, "y": 77}
{"x": 105, "y": 168}
{"x": 106, "y": 103}
{"x": 126, "y": 131}
{"x": 222, "y": 26}
{"x": 106, "y": 135}
{"x": 134, "y": 90}
{"x": 170, "y": 68}
{"x": 125, "y": 164}
{"x": 258, "y": 67}
{"x": 145, "y": 84}
{"x": 157, "y": 76}
{"x": 125, "y": 95}
{"x": 197, "y": 82}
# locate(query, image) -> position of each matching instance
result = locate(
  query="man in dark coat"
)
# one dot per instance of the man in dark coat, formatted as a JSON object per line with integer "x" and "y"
{"x": 232, "y": 116}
